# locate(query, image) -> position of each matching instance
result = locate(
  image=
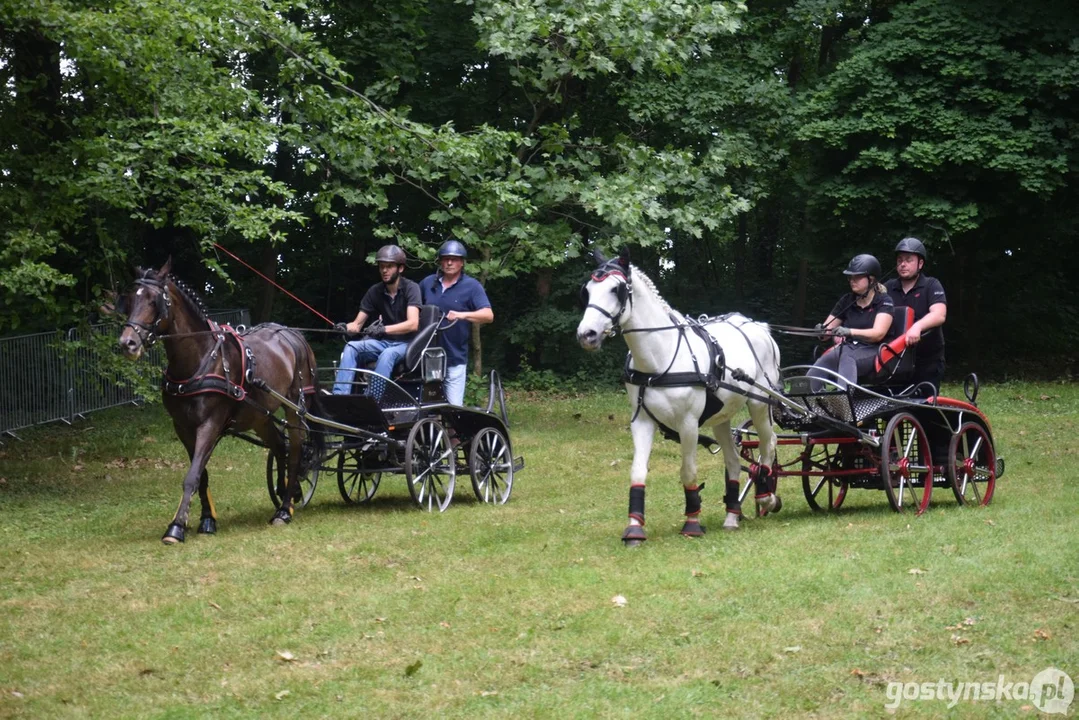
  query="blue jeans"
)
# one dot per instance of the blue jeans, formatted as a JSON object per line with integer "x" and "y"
{"x": 358, "y": 353}
{"x": 454, "y": 384}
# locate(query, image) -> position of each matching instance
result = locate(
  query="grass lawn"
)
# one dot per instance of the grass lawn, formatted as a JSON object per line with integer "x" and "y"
{"x": 387, "y": 611}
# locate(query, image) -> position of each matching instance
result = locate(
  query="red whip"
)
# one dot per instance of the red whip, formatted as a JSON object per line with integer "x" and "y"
{"x": 273, "y": 283}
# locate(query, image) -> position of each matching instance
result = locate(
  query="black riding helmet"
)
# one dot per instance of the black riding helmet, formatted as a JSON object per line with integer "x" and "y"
{"x": 390, "y": 254}
{"x": 863, "y": 265}
{"x": 911, "y": 245}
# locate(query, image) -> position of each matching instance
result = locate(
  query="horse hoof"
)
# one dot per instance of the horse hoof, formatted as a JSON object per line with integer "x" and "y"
{"x": 633, "y": 536}
{"x": 693, "y": 529}
{"x": 281, "y": 517}
{"x": 208, "y": 526}
{"x": 730, "y": 523}
{"x": 769, "y": 503}
{"x": 175, "y": 534}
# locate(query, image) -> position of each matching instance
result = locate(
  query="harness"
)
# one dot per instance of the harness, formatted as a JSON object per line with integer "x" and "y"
{"x": 204, "y": 381}
{"x": 711, "y": 380}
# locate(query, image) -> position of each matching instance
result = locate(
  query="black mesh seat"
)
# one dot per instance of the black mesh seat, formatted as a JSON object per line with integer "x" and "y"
{"x": 430, "y": 319}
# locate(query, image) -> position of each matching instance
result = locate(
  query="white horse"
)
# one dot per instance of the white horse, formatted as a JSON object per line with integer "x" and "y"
{"x": 679, "y": 373}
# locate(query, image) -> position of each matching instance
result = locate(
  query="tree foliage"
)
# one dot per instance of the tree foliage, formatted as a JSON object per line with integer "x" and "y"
{"x": 744, "y": 150}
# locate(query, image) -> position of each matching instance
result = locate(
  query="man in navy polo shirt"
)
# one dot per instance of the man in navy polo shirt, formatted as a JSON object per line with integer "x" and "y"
{"x": 926, "y": 296}
{"x": 396, "y": 302}
{"x": 463, "y": 299}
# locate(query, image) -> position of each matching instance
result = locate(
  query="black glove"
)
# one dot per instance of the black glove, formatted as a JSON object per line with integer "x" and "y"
{"x": 819, "y": 329}
{"x": 341, "y": 328}
{"x": 841, "y": 332}
{"x": 375, "y": 331}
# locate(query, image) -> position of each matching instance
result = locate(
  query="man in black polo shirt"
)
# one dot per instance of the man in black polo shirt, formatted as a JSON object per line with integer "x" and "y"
{"x": 926, "y": 296}
{"x": 396, "y": 302}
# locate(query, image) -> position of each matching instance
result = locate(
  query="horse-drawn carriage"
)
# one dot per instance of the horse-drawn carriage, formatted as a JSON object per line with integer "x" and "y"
{"x": 232, "y": 381}
{"x": 682, "y": 373}
{"x": 884, "y": 437}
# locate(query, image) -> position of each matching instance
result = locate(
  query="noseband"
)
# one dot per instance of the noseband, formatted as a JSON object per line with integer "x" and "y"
{"x": 624, "y": 293}
{"x": 148, "y": 334}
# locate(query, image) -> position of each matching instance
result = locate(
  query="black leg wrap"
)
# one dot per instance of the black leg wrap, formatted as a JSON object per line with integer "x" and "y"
{"x": 693, "y": 500}
{"x": 763, "y": 480}
{"x": 634, "y": 535}
{"x": 208, "y": 526}
{"x": 281, "y": 517}
{"x": 636, "y": 503}
{"x": 175, "y": 534}
{"x": 730, "y": 498}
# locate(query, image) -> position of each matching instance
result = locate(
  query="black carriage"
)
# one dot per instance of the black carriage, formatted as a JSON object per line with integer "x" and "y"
{"x": 405, "y": 426}
{"x": 885, "y": 437}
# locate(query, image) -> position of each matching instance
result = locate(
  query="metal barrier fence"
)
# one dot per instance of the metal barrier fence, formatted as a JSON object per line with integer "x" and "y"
{"x": 41, "y": 381}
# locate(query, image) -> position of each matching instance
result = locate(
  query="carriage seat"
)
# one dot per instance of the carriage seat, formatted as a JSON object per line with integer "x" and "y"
{"x": 894, "y": 364}
{"x": 424, "y": 343}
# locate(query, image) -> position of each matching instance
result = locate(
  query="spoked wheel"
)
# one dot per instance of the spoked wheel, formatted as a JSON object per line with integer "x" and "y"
{"x": 972, "y": 465}
{"x": 275, "y": 476}
{"x": 430, "y": 465}
{"x": 906, "y": 467}
{"x": 490, "y": 462}
{"x": 356, "y": 485}
{"x": 823, "y": 492}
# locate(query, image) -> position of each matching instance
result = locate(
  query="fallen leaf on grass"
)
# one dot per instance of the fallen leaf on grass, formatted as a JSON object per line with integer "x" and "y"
{"x": 990, "y": 522}
{"x": 619, "y": 601}
{"x": 960, "y": 640}
{"x": 214, "y": 605}
{"x": 16, "y": 693}
{"x": 285, "y": 656}
{"x": 1041, "y": 634}
{"x": 488, "y": 693}
{"x": 378, "y": 619}
{"x": 916, "y": 571}
{"x": 793, "y": 649}
{"x": 1049, "y": 397}
{"x": 697, "y": 573}
{"x": 1074, "y": 601}
{"x": 282, "y": 695}
{"x": 444, "y": 624}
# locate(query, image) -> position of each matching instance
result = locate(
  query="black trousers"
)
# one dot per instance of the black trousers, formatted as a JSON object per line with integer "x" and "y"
{"x": 850, "y": 360}
{"x": 929, "y": 370}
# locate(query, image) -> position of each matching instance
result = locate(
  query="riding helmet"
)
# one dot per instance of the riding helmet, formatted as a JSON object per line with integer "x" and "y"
{"x": 863, "y": 265}
{"x": 390, "y": 254}
{"x": 452, "y": 248}
{"x": 911, "y": 245}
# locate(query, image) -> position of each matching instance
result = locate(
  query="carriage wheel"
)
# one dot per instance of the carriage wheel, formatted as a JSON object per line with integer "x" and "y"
{"x": 355, "y": 485}
{"x": 308, "y": 481}
{"x": 430, "y": 465}
{"x": 906, "y": 466}
{"x": 490, "y": 462}
{"x": 823, "y": 492}
{"x": 972, "y": 465}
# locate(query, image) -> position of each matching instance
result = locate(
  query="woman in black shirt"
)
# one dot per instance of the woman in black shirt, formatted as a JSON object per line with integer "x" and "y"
{"x": 859, "y": 322}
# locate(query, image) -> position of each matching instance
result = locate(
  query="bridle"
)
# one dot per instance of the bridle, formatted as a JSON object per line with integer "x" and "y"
{"x": 148, "y": 334}
{"x": 624, "y": 293}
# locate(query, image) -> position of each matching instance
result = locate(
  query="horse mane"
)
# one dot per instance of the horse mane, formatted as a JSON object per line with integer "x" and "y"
{"x": 637, "y": 275}
{"x": 193, "y": 299}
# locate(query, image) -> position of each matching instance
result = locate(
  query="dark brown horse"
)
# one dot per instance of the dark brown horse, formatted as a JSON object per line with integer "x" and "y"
{"x": 217, "y": 381}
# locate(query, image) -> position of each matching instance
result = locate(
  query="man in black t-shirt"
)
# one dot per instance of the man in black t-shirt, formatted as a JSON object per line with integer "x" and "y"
{"x": 396, "y": 302}
{"x": 925, "y": 295}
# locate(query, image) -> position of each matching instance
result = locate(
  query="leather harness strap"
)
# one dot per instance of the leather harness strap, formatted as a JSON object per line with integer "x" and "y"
{"x": 204, "y": 381}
